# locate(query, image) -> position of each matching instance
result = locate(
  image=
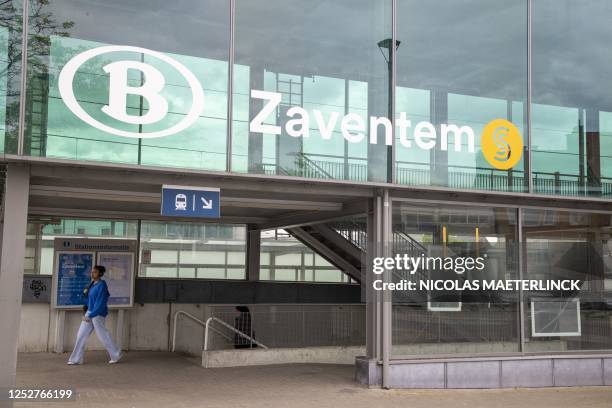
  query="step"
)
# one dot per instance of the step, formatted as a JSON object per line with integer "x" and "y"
{"x": 273, "y": 356}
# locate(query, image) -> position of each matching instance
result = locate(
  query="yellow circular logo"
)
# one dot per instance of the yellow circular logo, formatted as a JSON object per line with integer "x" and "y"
{"x": 501, "y": 143}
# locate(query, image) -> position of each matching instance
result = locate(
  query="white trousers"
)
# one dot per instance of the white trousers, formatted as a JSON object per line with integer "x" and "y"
{"x": 97, "y": 324}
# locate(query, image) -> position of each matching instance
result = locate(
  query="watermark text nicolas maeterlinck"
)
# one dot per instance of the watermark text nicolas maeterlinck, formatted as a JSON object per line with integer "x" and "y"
{"x": 417, "y": 267}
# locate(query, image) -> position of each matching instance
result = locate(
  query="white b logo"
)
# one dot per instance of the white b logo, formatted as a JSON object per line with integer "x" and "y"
{"x": 119, "y": 90}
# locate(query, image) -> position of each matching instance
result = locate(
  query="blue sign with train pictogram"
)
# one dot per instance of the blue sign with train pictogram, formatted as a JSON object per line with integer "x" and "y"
{"x": 197, "y": 202}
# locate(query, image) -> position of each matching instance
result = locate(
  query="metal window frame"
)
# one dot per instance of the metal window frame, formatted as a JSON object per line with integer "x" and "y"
{"x": 230, "y": 86}
{"x": 24, "y": 76}
{"x": 535, "y": 333}
{"x": 529, "y": 169}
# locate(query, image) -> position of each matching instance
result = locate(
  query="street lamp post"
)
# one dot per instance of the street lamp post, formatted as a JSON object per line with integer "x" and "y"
{"x": 382, "y": 45}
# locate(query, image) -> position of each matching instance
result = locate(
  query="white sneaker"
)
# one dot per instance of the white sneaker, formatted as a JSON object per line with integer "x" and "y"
{"x": 115, "y": 361}
{"x": 73, "y": 363}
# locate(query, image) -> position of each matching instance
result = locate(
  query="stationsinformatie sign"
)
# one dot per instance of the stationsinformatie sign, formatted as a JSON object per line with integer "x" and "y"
{"x": 74, "y": 259}
{"x": 501, "y": 142}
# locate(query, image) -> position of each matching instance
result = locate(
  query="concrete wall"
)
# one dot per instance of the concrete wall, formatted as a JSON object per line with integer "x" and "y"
{"x": 146, "y": 327}
{"x": 150, "y": 327}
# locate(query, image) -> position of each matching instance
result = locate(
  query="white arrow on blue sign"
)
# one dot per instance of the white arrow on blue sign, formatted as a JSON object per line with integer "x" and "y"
{"x": 184, "y": 201}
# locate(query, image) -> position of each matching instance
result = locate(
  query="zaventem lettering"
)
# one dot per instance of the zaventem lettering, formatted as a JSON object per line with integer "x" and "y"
{"x": 353, "y": 126}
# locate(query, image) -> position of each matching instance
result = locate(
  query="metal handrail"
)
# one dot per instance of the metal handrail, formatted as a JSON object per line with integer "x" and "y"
{"x": 238, "y": 332}
{"x": 206, "y": 326}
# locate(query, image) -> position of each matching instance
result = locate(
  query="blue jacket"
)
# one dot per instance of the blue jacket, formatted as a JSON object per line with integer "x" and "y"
{"x": 97, "y": 300}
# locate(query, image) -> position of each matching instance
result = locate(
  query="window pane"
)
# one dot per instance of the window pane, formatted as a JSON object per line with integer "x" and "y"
{"x": 149, "y": 93}
{"x": 10, "y": 73}
{"x": 461, "y": 64}
{"x": 208, "y": 251}
{"x": 296, "y": 51}
{"x": 454, "y": 245}
{"x": 571, "y": 111}
{"x": 563, "y": 245}
{"x": 42, "y": 236}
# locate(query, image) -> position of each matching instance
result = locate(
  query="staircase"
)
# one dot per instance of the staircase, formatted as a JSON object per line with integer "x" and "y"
{"x": 332, "y": 246}
{"x": 343, "y": 243}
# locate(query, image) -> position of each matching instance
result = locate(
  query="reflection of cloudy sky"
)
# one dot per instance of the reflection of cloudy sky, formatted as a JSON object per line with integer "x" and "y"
{"x": 572, "y": 58}
{"x": 476, "y": 47}
{"x": 197, "y": 28}
{"x": 322, "y": 37}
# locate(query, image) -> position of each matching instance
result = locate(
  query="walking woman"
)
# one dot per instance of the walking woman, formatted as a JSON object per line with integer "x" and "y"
{"x": 96, "y": 310}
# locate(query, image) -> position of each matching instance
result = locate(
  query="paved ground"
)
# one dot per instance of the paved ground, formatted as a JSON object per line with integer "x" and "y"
{"x": 151, "y": 380}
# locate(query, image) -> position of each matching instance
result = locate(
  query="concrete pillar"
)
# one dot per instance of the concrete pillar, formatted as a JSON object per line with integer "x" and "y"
{"x": 11, "y": 267}
{"x": 374, "y": 299}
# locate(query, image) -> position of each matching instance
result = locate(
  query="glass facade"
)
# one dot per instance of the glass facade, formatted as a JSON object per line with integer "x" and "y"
{"x": 568, "y": 245}
{"x": 334, "y": 89}
{"x": 313, "y": 89}
{"x": 464, "y": 247}
{"x": 456, "y": 244}
{"x": 571, "y": 119}
{"x": 60, "y": 30}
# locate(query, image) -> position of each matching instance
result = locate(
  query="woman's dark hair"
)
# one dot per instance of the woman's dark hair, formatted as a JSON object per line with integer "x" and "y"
{"x": 100, "y": 269}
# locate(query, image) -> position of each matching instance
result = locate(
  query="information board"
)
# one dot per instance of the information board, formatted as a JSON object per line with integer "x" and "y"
{"x": 73, "y": 275}
{"x": 74, "y": 259}
{"x": 118, "y": 276}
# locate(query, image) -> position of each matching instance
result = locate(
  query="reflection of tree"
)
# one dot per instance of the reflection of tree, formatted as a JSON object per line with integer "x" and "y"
{"x": 41, "y": 25}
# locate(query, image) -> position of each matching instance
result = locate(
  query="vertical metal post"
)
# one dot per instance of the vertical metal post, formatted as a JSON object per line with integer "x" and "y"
{"x": 529, "y": 87}
{"x": 386, "y": 306}
{"x": 140, "y": 110}
{"x": 346, "y": 146}
{"x": 521, "y": 273}
{"x": 24, "y": 76}
{"x": 378, "y": 297}
{"x": 393, "y": 84}
{"x": 138, "y": 246}
{"x": 581, "y": 167}
{"x": 368, "y": 292}
{"x": 230, "y": 86}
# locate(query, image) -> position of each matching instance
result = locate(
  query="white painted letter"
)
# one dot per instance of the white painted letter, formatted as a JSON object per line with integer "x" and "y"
{"x": 374, "y": 122}
{"x": 425, "y": 130}
{"x": 257, "y": 125}
{"x": 458, "y": 132}
{"x": 326, "y": 129}
{"x": 149, "y": 90}
{"x": 303, "y": 122}
{"x": 403, "y": 125}
{"x": 352, "y": 122}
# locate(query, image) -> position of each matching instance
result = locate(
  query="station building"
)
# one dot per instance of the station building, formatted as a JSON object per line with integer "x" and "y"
{"x": 336, "y": 132}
